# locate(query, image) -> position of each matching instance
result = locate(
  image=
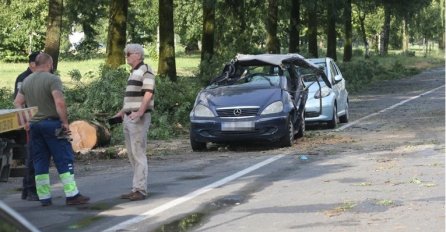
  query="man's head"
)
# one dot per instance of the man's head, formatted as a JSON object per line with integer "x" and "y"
{"x": 32, "y": 60}
{"x": 44, "y": 62}
{"x": 134, "y": 54}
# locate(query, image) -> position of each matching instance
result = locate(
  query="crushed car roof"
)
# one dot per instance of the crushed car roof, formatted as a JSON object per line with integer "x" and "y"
{"x": 274, "y": 59}
{"x": 279, "y": 60}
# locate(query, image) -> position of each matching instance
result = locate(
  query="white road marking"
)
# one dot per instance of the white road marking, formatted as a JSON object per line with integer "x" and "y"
{"x": 191, "y": 195}
{"x": 388, "y": 108}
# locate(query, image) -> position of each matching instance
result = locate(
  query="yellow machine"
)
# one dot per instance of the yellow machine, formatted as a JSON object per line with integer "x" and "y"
{"x": 13, "y": 141}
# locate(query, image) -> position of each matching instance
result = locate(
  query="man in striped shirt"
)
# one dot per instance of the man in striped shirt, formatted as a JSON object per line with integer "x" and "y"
{"x": 138, "y": 103}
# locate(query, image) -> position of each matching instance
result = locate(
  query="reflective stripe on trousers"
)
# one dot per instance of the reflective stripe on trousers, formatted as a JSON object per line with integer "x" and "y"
{"x": 43, "y": 186}
{"x": 69, "y": 185}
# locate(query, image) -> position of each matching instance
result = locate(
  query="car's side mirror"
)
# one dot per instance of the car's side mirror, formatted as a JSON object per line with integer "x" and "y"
{"x": 338, "y": 78}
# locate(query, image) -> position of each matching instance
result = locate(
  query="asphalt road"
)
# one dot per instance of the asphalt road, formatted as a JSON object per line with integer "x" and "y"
{"x": 384, "y": 171}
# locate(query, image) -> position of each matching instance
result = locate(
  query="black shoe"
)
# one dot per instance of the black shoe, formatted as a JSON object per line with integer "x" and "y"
{"x": 32, "y": 197}
{"x": 24, "y": 194}
{"x": 46, "y": 202}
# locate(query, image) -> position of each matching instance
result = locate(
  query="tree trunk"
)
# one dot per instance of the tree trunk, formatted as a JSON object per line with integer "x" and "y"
{"x": 385, "y": 32}
{"x": 88, "y": 135}
{"x": 361, "y": 18}
{"x": 117, "y": 27}
{"x": 312, "y": 29}
{"x": 348, "y": 31}
{"x": 405, "y": 35}
{"x": 294, "y": 27}
{"x": 272, "y": 42}
{"x": 207, "y": 39}
{"x": 331, "y": 30}
{"x": 441, "y": 42}
{"x": 53, "y": 30}
{"x": 166, "y": 63}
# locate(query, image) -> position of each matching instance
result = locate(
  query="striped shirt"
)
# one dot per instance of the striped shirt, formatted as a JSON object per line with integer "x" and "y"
{"x": 140, "y": 81}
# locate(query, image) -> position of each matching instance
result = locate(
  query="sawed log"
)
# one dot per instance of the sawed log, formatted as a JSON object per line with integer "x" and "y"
{"x": 87, "y": 135}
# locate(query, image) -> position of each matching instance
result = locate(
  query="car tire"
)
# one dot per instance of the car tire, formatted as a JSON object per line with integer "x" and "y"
{"x": 344, "y": 118}
{"x": 301, "y": 131}
{"x": 196, "y": 145}
{"x": 288, "y": 139}
{"x": 334, "y": 121}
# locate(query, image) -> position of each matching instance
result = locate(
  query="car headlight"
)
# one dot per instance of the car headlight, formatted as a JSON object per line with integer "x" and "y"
{"x": 323, "y": 92}
{"x": 203, "y": 111}
{"x": 273, "y": 108}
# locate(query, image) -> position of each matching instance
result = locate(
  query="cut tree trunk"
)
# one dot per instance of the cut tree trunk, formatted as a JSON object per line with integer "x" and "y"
{"x": 87, "y": 135}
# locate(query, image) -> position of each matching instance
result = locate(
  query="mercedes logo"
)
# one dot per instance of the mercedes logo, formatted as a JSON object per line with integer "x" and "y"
{"x": 237, "y": 112}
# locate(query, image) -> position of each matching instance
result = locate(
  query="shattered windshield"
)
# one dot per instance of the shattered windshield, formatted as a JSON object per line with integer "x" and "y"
{"x": 252, "y": 76}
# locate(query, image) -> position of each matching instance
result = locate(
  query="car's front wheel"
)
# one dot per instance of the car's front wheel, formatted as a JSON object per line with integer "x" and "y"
{"x": 196, "y": 145}
{"x": 344, "y": 118}
{"x": 288, "y": 139}
{"x": 334, "y": 120}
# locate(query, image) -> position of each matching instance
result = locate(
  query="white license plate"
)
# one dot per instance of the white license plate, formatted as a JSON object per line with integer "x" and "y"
{"x": 237, "y": 126}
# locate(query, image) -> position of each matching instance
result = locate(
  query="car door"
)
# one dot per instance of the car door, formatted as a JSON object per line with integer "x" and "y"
{"x": 336, "y": 86}
{"x": 339, "y": 82}
{"x": 297, "y": 87}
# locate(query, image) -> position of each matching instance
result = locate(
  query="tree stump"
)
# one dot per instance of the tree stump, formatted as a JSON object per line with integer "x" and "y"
{"x": 87, "y": 135}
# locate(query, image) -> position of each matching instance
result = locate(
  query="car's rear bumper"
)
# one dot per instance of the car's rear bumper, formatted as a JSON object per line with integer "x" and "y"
{"x": 265, "y": 129}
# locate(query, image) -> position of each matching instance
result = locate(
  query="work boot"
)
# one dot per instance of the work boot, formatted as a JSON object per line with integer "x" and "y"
{"x": 77, "y": 200}
{"x": 137, "y": 196}
{"x": 127, "y": 195}
{"x": 46, "y": 202}
{"x": 24, "y": 194}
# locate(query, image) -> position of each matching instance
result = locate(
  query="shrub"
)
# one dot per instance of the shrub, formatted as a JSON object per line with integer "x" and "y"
{"x": 6, "y": 101}
{"x": 173, "y": 103}
{"x": 360, "y": 72}
{"x": 103, "y": 97}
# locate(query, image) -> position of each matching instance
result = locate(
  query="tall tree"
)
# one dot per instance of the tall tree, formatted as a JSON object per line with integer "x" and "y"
{"x": 331, "y": 29}
{"x": 89, "y": 19}
{"x": 53, "y": 32}
{"x": 405, "y": 33}
{"x": 272, "y": 42}
{"x": 116, "y": 39}
{"x": 207, "y": 39}
{"x": 385, "y": 31}
{"x": 166, "y": 63}
{"x": 294, "y": 27}
{"x": 348, "y": 31}
{"x": 312, "y": 28}
{"x": 442, "y": 37}
{"x": 363, "y": 8}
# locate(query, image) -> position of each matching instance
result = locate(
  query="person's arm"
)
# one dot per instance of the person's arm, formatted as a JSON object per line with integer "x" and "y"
{"x": 19, "y": 101}
{"x": 16, "y": 87}
{"x": 61, "y": 108}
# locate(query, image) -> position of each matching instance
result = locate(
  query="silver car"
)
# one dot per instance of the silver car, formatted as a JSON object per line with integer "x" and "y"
{"x": 324, "y": 104}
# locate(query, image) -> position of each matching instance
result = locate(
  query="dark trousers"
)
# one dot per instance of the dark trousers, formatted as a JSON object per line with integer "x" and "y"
{"x": 29, "y": 180}
{"x": 21, "y": 137}
{"x": 45, "y": 145}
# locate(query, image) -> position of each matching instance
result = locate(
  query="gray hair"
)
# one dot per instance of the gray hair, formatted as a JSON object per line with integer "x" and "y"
{"x": 134, "y": 48}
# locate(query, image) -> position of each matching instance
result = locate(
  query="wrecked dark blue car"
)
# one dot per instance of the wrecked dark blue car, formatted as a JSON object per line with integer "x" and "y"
{"x": 257, "y": 98}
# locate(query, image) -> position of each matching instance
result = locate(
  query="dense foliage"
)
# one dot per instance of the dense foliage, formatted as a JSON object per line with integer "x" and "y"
{"x": 103, "y": 96}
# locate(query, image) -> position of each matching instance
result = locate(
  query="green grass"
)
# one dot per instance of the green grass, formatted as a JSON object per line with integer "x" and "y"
{"x": 186, "y": 66}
